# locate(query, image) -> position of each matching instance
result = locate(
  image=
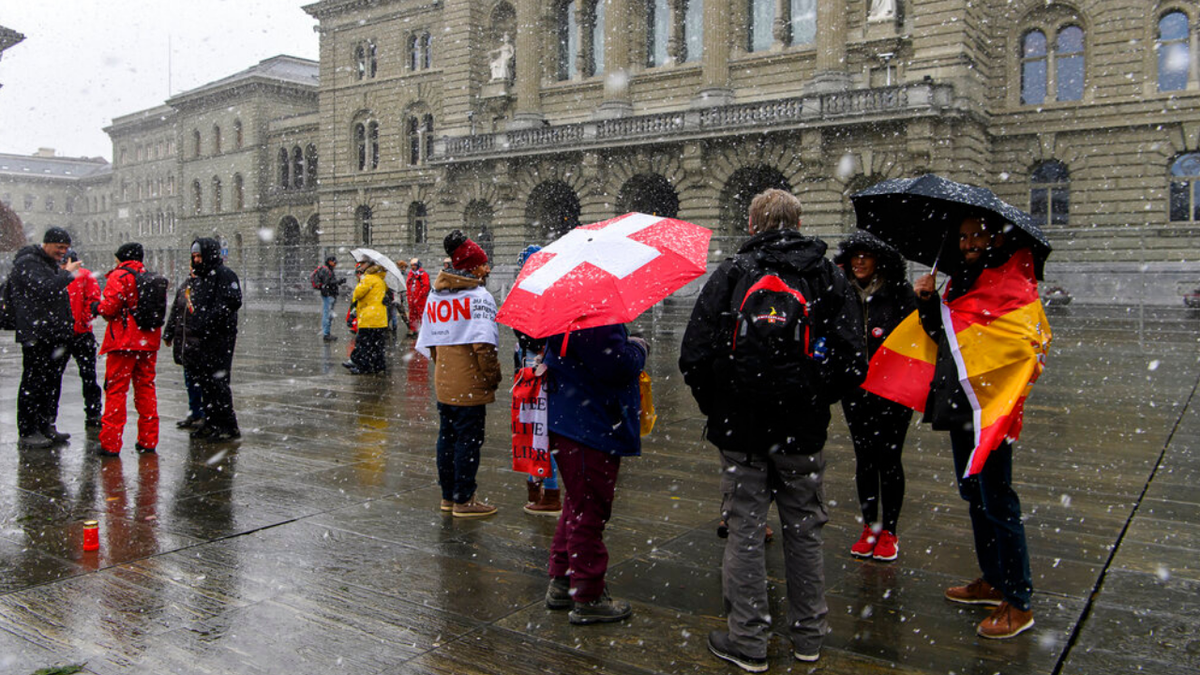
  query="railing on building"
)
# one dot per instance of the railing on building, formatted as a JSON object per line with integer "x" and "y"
{"x": 797, "y": 112}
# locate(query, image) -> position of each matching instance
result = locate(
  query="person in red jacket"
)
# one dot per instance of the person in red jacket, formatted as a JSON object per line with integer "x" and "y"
{"x": 84, "y": 291}
{"x": 132, "y": 355}
{"x": 417, "y": 290}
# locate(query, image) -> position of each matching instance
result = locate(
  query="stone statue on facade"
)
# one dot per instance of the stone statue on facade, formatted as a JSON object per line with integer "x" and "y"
{"x": 502, "y": 61}
{"x": 881, "y": 10}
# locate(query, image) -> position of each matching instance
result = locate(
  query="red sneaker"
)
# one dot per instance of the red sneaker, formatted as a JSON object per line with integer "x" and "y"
{"x": 887, "y": 548}
{"x": 865, "y": 546}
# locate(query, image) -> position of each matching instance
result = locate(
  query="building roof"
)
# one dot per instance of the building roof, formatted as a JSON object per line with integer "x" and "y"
{"x": 157, "y": 116}
{"x": 52, "y": 167}
{"x": 9, "y": 37}
{"x": 282, "y": 69}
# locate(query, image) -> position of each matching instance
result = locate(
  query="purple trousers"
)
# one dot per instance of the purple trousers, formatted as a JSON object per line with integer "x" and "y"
{"x": 578, "y": 552}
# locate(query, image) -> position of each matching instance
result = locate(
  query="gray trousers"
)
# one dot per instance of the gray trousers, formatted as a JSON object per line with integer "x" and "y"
{"x": 748, "y": 485}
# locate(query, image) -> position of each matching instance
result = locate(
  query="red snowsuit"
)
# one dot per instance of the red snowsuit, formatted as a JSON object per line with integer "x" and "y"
{"x": 132, "y": 355}
{"x": 417, "y": 287}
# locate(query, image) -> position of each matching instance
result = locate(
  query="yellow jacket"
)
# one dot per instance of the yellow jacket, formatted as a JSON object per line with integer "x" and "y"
{"x": 368, "y": 301}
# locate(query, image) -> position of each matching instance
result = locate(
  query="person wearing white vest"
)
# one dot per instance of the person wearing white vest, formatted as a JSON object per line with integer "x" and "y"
{"x": 459, "y": 333}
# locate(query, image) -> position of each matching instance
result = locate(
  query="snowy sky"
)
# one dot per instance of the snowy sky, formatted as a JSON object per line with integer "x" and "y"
{"x": 84, "y": 62}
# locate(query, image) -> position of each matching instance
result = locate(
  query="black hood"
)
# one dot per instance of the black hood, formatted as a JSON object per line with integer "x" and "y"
{"x": 785, "y": 250}
{"x": 889, "y": 263}
{"x": 210, "y": 254}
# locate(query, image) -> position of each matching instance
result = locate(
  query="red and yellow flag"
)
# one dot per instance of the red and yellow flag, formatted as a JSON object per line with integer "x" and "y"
{"x": 999, "y": 337}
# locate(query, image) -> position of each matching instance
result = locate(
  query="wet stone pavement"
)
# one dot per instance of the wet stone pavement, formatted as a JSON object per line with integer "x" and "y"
{"x": 315, "y": 544}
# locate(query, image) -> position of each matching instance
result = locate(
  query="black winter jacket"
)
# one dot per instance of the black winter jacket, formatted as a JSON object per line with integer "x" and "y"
{"x": 37, "y": 289}
{"x": 892, "y": 302}
{"x": 329, "y": 281}
{"x": 175, "y": 330}
{"x": 216, "y": 298}
{"x": 733, "y": 422}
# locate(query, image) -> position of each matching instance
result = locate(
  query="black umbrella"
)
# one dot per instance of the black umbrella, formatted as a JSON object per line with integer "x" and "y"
{"x": 919, "y": 216}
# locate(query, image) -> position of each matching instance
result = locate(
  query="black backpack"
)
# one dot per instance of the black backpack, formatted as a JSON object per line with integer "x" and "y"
{"x": 773, "y": 341}
{"x": 150, "y": 311}
{"x": 316, "y": 278}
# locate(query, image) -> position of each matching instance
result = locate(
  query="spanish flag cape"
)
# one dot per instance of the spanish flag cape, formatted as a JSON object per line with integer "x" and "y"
{"x": 999, "y": 338}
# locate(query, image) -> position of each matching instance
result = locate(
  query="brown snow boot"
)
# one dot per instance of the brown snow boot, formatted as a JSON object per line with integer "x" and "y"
{"x": 535, "y": 493}
{"x": 550, "y": 504}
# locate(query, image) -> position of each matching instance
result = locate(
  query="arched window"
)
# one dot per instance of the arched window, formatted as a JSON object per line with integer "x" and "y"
{"x": 360, "y": 60}
{"x": 761, "y": 17}
{"x": 360, "y": 145}
{"x": 693, "y": 30}
{"x": 170, "y": 186}
{"x": 1185, "y": 188}
{"x": 373, "y": 141}
{"x": 239, "y": 192}
{"x": 427, "y": 136}
{"x": 196, "y": 203}
{"x": 1174, "y": 51}
{"x": 1053, "y": 72}
{"x": 372, "y": 59}
{"x": 1050, "y": 193}
{"x": 802, "y": 22}
{"x": 567, "y": 26}
{"x": 216, "y": 140}
{"x": 216, "y": 189}
{"x": 297, "y": 167}
{"x": 658, "y": 23}
{"x": 195, "y": 142}
{"x": 420, "y": 56}
{"x": 1068, "y": 64}
{"x": 283, "y": 168}
{"x": 310, "y": 166}
{"x": 1033, "y": 68}
{"x": 238, "y": 137}
{"x": 425, "y": 42}
{"x": 418, "y": 223}
{"x": 420, "y": 138}
{"x": 362, "y": 218}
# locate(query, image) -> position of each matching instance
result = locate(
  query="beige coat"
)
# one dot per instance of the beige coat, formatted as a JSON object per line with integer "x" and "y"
{"x": 464, "y": 375}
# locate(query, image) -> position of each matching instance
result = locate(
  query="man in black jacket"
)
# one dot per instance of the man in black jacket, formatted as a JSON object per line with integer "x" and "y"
{"x": 211, "y": 323}
{"x": 770, "y": 425}
{"x": 37, "y": 289}
{"x": 328, "y": 283}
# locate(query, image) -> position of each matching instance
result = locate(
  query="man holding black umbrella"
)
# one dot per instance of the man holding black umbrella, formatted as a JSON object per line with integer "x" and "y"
{"x": 988, "y": 263}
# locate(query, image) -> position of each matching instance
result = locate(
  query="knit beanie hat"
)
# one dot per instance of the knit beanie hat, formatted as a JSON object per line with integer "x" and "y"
{"x": 464, "y": 253}
{"x": 56, "y": 235}
{"x": 130, "y": 251}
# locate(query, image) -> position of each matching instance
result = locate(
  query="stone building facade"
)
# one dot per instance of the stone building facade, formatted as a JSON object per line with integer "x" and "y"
{"x": 515, "y": 119}
{"x": 43, "y": 190}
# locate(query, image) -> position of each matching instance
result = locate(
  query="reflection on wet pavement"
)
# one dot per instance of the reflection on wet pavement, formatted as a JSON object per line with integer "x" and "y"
{"x": 315, "y": 544}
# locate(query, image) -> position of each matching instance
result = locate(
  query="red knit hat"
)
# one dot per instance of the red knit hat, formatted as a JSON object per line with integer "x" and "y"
{"x": 467, "y": 256}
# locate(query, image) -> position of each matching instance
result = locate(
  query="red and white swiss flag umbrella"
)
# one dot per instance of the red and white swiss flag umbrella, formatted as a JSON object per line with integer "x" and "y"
{"x": 604, "y": 273}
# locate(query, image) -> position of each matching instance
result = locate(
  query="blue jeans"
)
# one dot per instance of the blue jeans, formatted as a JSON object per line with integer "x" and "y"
{"x": 195, "y": 398}
{"x": 459, "y": 440}
{"x": 327, "y": 303}
{"x": 549, "y": 482}
{"x": 995, "y": 519}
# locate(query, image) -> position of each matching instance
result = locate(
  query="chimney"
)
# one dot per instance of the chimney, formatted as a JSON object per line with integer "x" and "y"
{"x": 44, "y": 152}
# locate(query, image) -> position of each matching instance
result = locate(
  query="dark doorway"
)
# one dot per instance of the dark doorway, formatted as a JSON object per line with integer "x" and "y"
{"x": 648, "y": 193}
{"x": 741, "y": 189}
{"x": 552, "y": 211}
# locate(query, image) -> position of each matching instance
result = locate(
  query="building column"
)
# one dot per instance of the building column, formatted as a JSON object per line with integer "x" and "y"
{"x": 714, "y": 88}
{"x": 831, "y": 72}
{"x": 616, "y": 61}
{"x": 528, "y": 76}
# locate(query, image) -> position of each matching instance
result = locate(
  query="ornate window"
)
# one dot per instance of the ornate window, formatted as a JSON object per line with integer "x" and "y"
{"x": 567, "y": 26}
{"x": 216, "y": 140}
{"x": 760, "y": 17}
{"x": 418, "y": 222}
{"x": 373, "y": 143}
{"x": 693, "y": 30}
{"x": 283, "y": 168}
{"x": 216, "y": 190}
{"x": 420, "y": 138}
{"x": 658, "y": 24}
{"x": 363, "y": 221}
{"x": 360, "y": 145}
{"x": 1050, "y": 193}
{"x": 372, "y": 59}
{"x": 239, "y": 192}
{"x": 360, "y": 60}
{"x": 238, "y": 137}
{"x": 1184, "y": 205}
{"x": 802, "y": 22}
{"x": 366, "y": 144}
{"x": 1053, "y": 71}
{"x": 297, "y": 168}
{"x": 310, "y": 166}
{"x": 195, "y": 142}
{"x": 420, "y": 55}
{"x": 1173, "y": 45}
{"x": 425, "y": 42}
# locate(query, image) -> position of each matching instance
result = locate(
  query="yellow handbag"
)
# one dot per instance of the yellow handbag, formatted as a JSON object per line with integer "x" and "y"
{"x": 648, "y": 414}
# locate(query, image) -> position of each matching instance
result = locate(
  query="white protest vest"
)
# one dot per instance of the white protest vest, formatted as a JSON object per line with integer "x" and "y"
{"x": 458, "y": 317}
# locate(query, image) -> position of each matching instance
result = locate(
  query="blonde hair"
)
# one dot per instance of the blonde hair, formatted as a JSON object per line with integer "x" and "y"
{"x": 774, "y": 209}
